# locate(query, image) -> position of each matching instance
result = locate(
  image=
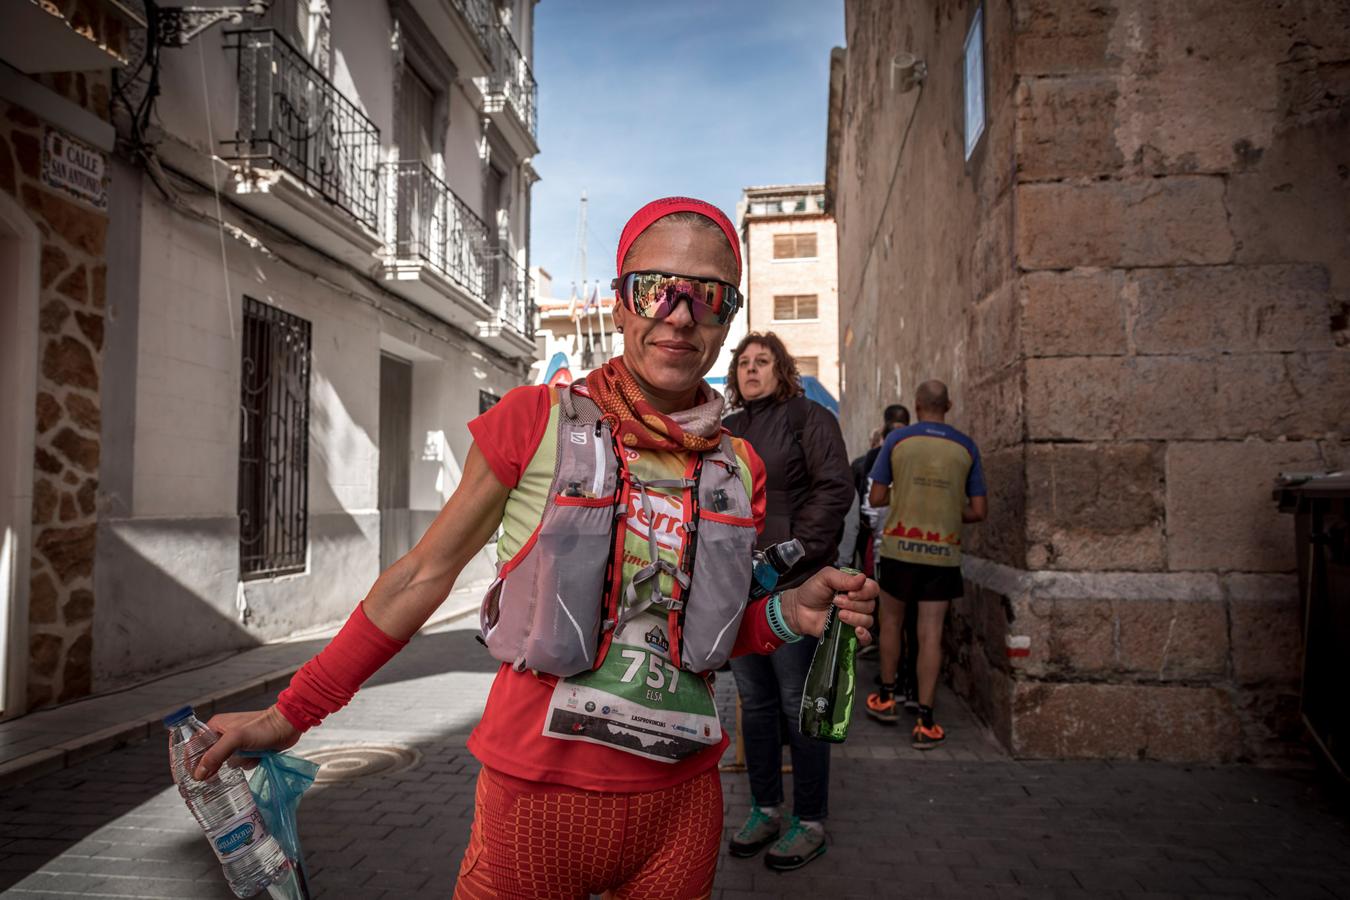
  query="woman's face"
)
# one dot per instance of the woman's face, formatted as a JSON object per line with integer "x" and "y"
{"x": 670, "y": 356}
{"x": 755, "y": 375}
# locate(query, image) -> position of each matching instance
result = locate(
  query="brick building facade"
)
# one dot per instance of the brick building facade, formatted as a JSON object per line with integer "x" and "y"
{"x": 791, "y": 261}
{"x": 1120, "y": 231}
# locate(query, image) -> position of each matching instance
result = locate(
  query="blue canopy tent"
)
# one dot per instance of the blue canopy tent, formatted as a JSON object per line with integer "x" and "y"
{"x": 810, "y": 384}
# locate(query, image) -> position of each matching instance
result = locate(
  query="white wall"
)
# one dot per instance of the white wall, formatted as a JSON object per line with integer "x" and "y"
{"x": 184, "y": 104}
{"x": 169, "y": 574}
{"x": 167, "y": 578}
{"x": 463, "y": 166}
{"x": 188, "y": 384}
{"x": 363, "y": 66}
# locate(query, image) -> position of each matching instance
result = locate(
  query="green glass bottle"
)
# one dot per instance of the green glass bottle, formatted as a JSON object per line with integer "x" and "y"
{"x": 827, "y": 696}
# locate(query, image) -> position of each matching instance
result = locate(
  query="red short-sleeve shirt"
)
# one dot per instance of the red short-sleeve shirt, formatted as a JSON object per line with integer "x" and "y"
{"x": 510, "y": 736}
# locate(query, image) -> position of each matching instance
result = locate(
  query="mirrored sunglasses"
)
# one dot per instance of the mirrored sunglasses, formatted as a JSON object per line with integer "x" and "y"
{"x": 654, "y": 295}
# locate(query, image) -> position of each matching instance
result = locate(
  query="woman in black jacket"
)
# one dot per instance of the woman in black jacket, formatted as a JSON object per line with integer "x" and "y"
{"x": 810, "y": 490}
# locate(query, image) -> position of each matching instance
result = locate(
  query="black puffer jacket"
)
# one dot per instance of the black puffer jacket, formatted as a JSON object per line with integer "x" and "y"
{"x": 810, "y": 484}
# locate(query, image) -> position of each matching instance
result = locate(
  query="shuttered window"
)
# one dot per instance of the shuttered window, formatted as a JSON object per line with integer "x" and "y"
{"x": 794, "y": 246}
{"x": 794, "y": 306}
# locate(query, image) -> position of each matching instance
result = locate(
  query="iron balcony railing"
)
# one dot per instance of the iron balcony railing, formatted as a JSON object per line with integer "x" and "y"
{"x": 478, "y": 13}
{"x": 429, "y": 223}
{"x": 512, "y": 81}
{"x": 291, "y": 116}
{"x": 508, "y": 294}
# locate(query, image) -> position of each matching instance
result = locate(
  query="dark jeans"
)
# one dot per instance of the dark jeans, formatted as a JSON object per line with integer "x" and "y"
{"x": 771, "y": 686}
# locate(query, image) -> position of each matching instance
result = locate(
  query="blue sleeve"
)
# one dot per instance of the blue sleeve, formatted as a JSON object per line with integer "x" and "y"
{"x": 881, "y": 469}
{"x": 975, "y": 478}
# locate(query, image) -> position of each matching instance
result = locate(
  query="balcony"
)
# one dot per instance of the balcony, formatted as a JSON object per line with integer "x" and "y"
{"x": 510, "y": 94}
{"x": 463, "y": 28}
{"x": 304, "y": 155}
{"x": 511, "y": 327}
{"x": 435, "y": 248}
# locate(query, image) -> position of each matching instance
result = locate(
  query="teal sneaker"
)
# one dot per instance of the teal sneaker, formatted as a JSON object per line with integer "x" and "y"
{"x": 799, "y": 846}
{"x": 758, "y": 832}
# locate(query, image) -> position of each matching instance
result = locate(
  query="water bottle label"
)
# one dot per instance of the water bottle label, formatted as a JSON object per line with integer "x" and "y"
{"x": 238, "y": 835}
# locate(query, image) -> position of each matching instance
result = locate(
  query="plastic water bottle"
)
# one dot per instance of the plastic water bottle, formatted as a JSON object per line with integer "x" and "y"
{"x": 773, "y": 563}
{"x": 224, "y": 808}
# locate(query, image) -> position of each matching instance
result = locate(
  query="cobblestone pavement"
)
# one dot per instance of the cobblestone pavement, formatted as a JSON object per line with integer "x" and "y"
{"x": 960, "y": 821}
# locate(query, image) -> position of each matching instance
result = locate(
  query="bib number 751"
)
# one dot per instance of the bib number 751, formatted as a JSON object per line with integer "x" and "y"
{"x": 657, "y": 670}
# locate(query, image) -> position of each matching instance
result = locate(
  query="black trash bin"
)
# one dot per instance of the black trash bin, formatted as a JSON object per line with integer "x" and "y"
{"x": 1321, "y": 507}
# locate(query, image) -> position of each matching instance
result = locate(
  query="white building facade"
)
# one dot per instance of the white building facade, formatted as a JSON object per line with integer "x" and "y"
{"x": 316, "y": 276}
{"x": 791, "y": 274}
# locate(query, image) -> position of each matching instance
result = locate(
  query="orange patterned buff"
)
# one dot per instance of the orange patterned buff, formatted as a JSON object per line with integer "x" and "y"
{"x": 636, "y": 423}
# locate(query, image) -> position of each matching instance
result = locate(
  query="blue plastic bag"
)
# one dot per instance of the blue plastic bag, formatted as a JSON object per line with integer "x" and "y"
{"x": 278, "y": 782}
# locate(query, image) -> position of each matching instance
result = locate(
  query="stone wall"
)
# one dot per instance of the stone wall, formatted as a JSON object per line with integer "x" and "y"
{"x": 1139, "y": 296}
{"x": 67, "y": 407}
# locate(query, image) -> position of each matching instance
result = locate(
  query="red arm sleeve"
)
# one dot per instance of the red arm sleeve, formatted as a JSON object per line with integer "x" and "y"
{"x": 510, "y": 432}
{"x": 327, "y": 682}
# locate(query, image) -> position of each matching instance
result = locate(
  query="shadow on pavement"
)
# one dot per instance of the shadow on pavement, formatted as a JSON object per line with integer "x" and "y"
{"x": 115, "y": 824}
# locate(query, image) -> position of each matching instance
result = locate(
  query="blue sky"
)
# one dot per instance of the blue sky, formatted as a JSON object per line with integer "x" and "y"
{"x": 641, "y": 99}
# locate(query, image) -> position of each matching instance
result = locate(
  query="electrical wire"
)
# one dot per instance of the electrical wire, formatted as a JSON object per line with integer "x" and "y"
{"x": 215, "y": 189}
{"x": 890, "y": 189}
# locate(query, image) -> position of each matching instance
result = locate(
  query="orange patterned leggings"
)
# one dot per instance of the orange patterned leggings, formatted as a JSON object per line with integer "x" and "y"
{"x": 539, "y": 841}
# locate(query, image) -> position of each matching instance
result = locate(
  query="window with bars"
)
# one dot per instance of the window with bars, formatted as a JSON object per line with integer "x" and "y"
{"x": 808, "y": 365}
{"x": 273, "y": 442}
{"x": 794, "y": 246}
{"x": 787, "y": 307}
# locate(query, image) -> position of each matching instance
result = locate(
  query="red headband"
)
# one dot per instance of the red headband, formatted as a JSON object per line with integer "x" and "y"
{"x": 659, "y": 209}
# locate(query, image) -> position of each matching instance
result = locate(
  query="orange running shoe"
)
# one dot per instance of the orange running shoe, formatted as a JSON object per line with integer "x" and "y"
{"x": 881, "y": 710}
{"x": 926, "y": 737}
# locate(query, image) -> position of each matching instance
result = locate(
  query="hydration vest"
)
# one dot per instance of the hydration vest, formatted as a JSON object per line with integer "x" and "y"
{"x": 556, "y": 604}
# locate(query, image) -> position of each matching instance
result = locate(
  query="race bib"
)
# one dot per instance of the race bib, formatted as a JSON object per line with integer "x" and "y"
{"x": 637, "y": 701}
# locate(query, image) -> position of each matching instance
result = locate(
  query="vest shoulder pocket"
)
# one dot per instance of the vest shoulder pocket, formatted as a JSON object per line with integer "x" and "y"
{"x": 545, "y": 613}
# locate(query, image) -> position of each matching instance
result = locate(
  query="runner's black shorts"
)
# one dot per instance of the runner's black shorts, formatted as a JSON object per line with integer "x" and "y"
{"x": 915, "y": 581}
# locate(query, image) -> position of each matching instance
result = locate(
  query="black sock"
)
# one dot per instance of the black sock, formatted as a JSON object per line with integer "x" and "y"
{"x": 887, "y": 691}
{"x": 926, "y": 715}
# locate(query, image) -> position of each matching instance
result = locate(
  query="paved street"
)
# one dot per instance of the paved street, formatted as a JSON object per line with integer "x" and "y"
{"x": 963, "y": 821}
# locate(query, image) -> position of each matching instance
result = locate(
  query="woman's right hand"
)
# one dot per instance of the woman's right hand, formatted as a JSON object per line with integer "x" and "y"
{"x": 260, "y": 729}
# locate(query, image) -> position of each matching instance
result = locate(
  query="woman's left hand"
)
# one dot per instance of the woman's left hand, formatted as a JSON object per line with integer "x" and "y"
{"x": 805, "y": 606}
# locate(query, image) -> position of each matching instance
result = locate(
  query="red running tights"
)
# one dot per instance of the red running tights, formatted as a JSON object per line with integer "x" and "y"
{"x": 537, "y": 841}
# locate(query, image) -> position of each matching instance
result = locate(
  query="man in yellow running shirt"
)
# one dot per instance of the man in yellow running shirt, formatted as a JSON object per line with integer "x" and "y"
{"x": 930, "y": 474}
